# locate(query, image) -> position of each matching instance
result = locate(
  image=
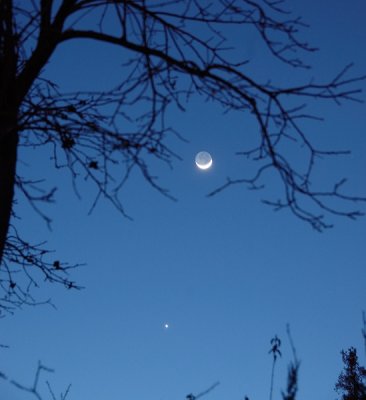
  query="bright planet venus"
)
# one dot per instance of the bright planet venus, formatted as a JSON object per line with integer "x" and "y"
{"x": 203, "y": 160}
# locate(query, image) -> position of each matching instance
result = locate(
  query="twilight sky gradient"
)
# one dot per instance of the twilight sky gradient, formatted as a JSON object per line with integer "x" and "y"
{"x": 226, "y": 273}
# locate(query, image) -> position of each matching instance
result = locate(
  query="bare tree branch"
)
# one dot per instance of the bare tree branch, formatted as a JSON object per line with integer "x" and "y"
{"x": 173, "y": 50}
{"x": 34, "y": 389}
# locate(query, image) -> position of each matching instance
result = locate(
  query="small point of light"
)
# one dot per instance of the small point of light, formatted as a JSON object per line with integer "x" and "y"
{"x": 166, "y": 326}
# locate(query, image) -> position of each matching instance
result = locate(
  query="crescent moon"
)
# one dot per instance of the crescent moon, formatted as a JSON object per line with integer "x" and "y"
{"x": 203, "y": 160}
{"x": 204, "y": 166}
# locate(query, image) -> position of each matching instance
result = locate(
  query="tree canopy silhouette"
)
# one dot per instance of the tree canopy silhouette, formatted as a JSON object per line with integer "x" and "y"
{"x": 351, "y": 382}
{"x": 173, "y": 49}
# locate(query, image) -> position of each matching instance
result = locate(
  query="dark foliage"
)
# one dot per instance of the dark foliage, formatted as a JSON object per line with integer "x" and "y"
{"x": 292, "y": 373}
{"x": 292, "y": 381}
{"x": 351, "y": 383}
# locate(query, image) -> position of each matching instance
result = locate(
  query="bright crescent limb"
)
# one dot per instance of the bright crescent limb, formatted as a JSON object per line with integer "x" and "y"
{"x": 204, "y": 166}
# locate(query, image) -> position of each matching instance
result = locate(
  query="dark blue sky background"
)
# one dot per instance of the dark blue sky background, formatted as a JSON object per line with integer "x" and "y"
{"x": 226, "y": 273}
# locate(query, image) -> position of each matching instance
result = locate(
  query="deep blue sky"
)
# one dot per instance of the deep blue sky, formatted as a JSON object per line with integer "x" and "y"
{"x": 226, "y": 273}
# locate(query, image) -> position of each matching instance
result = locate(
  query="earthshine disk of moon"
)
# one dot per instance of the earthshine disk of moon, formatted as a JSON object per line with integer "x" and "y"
{"x": 203, "y": 160}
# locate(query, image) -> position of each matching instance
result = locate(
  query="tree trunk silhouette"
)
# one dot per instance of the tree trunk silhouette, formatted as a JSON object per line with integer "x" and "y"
{"x": 8, "y": 117}
{"x": 8, "y": 158}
